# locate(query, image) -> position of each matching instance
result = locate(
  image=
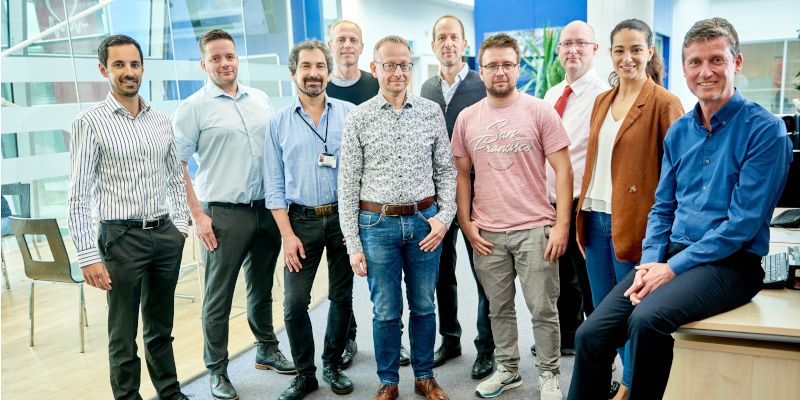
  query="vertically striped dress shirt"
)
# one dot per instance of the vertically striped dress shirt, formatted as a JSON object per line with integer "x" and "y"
{"x": 121, "y": 167}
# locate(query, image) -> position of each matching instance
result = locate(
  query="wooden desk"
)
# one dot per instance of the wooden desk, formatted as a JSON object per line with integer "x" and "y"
{"x": 752, "y": 352}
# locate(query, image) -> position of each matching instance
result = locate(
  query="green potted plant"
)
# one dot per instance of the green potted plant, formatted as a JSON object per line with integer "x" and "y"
{"x": 540, "y": 63}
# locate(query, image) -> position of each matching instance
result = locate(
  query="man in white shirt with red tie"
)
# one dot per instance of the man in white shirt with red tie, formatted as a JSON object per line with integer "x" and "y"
{"x": 573, "y": 98}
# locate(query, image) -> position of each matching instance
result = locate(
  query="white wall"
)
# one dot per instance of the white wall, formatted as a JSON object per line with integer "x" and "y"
{"x": 754, "y": 21}
{"x": 604, "y": 15}
{"x": 412, "y": 21}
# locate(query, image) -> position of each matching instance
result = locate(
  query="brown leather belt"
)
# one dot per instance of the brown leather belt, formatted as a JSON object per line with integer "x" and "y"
{"x": 394, "y": 210}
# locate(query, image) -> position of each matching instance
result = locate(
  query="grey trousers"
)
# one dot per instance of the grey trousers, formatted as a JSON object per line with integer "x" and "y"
{"x": 247, "y": 238}
{"x": 143, "y": 266}
{"x": 521, "y": 253}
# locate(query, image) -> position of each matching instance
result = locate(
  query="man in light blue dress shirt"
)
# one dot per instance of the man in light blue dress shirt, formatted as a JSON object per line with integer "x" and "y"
{"x": 302, "y": 155}
{"x": 223, "y": 125}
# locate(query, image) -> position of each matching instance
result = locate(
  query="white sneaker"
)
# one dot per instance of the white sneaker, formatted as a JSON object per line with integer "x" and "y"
{"x": 548, "y": 386}
{"x": 500, "y": 381}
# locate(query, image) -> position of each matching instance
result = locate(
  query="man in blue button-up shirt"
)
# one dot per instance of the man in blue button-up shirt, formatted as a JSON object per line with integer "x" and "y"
{"x": 724, "y": 167}
{"x": 302, "y": 164}
{"x": 223, "y": 125}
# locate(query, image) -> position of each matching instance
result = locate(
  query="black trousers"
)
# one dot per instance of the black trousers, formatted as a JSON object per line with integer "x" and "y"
{"x": 318, "y": 234}
{"x": 143, "y": 266}
{"x": 576, "y": 295}
{"x": 447, "y": 297}
{"x": 698, "y": 293}
{"x": 248, "y": 239}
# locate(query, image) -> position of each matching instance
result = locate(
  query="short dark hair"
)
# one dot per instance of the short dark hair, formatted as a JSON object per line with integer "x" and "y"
{"x": 501, "y": 40}
{"x": 214, "y": 34}
{"x": 116, "y": 40}
{"x": 433, "y": 31}
{"x": 313, "y": 44}
{"x": 709, "y": 29}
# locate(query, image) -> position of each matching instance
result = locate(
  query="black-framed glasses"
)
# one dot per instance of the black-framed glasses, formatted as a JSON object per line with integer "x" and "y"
{"x": 391, "y": 67}
{"x": 579, "y": 44}
{"x": 494, "y": 67}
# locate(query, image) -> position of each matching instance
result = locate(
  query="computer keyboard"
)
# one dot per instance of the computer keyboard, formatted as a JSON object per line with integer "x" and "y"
{"x": 776, "y": 270}
{"x": 787, "y": 219}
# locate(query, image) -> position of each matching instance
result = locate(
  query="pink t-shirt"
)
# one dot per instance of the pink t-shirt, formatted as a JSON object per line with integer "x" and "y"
{"x": 508, "y": 147}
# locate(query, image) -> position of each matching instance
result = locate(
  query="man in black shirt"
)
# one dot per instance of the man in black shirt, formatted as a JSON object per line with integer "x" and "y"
{"x": 347, "y": 82}
{"x": 454, "y": 89}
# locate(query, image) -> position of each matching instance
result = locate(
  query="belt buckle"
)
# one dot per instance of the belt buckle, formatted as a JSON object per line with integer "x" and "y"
{"x": 146, "y": 221}
{"x": 322, "y": 211}
{"x": 385, "y": 207}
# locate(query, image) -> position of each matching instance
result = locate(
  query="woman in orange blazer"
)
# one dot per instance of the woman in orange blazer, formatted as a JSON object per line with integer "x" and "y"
{"x": 623, "y": 159}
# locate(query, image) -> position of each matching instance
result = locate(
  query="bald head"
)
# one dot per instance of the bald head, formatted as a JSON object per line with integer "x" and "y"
{"x": 345, "y": 43}
{"x": 576, "y": 50}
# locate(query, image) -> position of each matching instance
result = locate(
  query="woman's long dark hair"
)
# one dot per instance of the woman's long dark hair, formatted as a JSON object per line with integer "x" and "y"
{"x": 654, "y": 66}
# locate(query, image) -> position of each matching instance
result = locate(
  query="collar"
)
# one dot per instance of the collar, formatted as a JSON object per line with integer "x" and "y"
{"x": 724, "y": 114}
{"x": 215, "y": 90}
{"x": 460, "y": 76}
{"x": 407, "y": 103}
{"x": 583, "y": 82}
{"x": 299, "y": 106}
{"x": 116, "y": 106}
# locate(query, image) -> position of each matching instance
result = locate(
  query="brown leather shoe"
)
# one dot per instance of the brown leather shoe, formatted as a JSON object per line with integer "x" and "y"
{"x": 430, "y": 389}
{"x": 387, "y": 392}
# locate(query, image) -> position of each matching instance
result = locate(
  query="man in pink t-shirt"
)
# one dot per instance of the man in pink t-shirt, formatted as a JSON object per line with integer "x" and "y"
{"x": 514, "y": 230}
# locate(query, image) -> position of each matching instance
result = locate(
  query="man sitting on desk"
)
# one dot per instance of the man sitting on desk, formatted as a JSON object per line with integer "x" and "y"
{"x": 724, "y": 166}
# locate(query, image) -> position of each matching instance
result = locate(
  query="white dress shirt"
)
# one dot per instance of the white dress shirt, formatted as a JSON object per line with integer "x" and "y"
{"x": 576, "y": 121}
{"x": 122, "y": 167}
{"x": 449, "y": 90}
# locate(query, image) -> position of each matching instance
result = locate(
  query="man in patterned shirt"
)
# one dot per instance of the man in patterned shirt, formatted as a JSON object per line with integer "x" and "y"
{"x": 396, "y": 201}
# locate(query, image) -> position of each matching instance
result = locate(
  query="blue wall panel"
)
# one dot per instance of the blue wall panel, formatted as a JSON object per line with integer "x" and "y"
{"x": 494, "y": 16}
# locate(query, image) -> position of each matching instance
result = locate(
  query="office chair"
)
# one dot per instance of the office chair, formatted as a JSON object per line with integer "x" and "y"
{"x": 59, "y": 270}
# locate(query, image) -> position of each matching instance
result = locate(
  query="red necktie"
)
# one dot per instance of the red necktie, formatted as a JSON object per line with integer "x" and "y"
{"x": 561, "y": 104}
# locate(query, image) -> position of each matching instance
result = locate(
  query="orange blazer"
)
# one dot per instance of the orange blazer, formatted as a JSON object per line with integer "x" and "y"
{"x": 635, "y": 164}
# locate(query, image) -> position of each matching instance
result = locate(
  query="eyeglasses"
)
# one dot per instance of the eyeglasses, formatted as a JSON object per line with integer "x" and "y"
{"x": 391, "y": 67}
{"x": 578, "y": 45}
{"x": 492, "y": 68}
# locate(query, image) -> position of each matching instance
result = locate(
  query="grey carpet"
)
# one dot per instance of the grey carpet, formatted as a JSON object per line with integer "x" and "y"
{"x": 453, "y": 376}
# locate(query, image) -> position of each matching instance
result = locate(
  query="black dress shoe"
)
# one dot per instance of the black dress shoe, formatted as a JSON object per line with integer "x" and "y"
{"x": 340, "y": 383}
{"x": 222, "y": 388}
{"x": 483, "y": 366}
{"x": 301, "y": 386}
{"x": 274, "y": 361}
{"x": 405, "y": 359}
{"x": 350, "y": 351}
{"x": 444, "y": 353}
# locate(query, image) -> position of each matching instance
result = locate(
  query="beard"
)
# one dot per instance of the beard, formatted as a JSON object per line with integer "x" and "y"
{"x": 496, "y": 92}
{"x": 118, "y": 88}
{"x": 312, "y": 91}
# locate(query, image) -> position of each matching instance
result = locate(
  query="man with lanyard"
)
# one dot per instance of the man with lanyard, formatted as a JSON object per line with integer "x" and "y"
{"x": 124, "y": 171}
{"x": 397, "y": 199}
{"x": 454, "y": 89}
{"x": 301, "y": 175}
{"x": 573, "y": 99}
{"x": 223, "y": 125}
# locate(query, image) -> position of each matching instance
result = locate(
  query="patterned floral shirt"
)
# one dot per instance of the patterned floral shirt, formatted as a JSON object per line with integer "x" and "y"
{"x": 393, "y": 157}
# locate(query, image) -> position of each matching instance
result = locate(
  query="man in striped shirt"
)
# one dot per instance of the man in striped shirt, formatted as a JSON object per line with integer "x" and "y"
{"x": 124, "y": 172}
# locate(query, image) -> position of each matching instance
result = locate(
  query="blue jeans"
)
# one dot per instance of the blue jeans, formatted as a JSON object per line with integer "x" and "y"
{"x": 391, "y": 247}
{"x": 605, "y": 271}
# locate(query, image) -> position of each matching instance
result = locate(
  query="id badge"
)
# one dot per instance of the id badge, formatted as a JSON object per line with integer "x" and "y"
{"x": 326, "y": 160}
